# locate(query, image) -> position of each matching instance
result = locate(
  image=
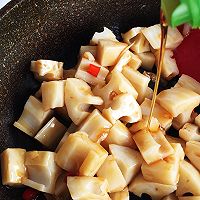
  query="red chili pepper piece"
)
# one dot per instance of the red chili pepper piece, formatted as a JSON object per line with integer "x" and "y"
{"x": 30, "y": 194}
{"x": 93, "y": 70}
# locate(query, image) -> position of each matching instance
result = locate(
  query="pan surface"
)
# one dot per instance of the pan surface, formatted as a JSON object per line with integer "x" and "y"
{"x": 51, "y": 29}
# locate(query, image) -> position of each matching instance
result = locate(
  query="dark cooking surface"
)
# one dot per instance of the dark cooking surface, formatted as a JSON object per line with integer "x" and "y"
{"x": 51, "y": 29}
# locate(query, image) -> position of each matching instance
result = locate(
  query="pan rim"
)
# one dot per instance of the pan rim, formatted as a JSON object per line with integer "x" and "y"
{"x": 9, "y": 7}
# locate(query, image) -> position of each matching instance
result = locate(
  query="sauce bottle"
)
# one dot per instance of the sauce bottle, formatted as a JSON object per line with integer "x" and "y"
{"x": 187, "y": 55}
{"x": 179, "y": 12}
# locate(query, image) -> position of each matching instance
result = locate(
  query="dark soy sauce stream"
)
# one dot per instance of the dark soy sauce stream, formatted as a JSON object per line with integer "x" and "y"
{"x": 164, "y": 28}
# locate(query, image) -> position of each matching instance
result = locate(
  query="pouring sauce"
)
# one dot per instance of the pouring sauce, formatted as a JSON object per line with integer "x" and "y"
{"x": 164, "y": 28}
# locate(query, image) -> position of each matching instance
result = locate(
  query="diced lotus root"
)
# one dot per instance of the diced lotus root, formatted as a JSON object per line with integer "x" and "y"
{"x": 89, "y": 56}
{"x": 33, "y": 117}
{"x": 152, "y": 146}
{"x": 90, "y": 71}
{"x": 118, "y": 84}
{"x": 142, "y": 124}
{"x": 53, "y": 94}
{"x": 12, "y": 166}
{"x": 141, "y": 44}
{"x": 79, "y": 155}
{"x": 129, "y": 59}
{"x": 111, "y": 171}
{"x": 178, "y": 100}
{"x": 183, "y": 118}
{"x": 122, "y": 195}
{"x": 171, "y": 139}
{"x": 83, "y": 187}
{"x": 51, "y": 134}
{"x": 189, "y": 83}
{"x": 71, "y": 129}
{"x": 139, "y": 81}
{"x": 192, "y": 151}
{"x": 165, "y": 171}
{"x": 108, "y": 52}
{"x": 135, "y": 36}
{"x": 47, "y": 70}
{"x": 164, "y": 117}
{"x": 190, "y": 132}
{"x": 153, "y": 35}
{"x": 128, "y": 160}
{"x": 124, "y": 107}
{"x": 169, "y": 66}
{"x": 120, "y": 135}
{"x": 122, "y": 61}
{"x": 131, "y": 34}
{"x": 106, "y": 34}
{"x": 78, "y": 98}
{"x": 96, "y": 126}
{"x": 149, "y": 93}
{"x": 148, "y": 60}
{"x": 156, "y": 190}
{"x": 135, "y": 62}
{"x": 189, "y": 180}
{"x": 42, "y": 171}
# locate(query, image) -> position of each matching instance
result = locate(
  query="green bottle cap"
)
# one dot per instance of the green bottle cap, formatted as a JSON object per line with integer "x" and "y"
{"x": 168, "y": 7}
{"x": 185, "y": 11}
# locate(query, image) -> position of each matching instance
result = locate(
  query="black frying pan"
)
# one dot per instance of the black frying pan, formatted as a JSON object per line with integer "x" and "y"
{"x": 51, "y": 29}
